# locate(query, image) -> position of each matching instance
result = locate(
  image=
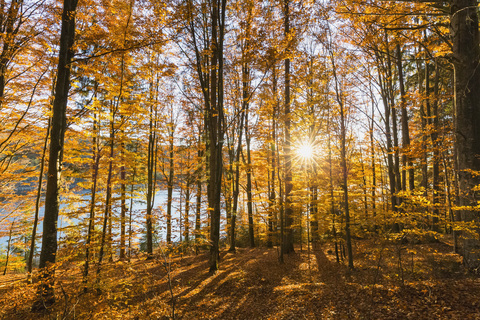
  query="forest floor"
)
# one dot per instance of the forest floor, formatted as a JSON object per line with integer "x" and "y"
{"x": 390, "y": 281}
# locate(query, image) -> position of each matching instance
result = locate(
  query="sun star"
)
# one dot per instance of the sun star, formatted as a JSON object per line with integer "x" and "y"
{"x": 305, "y": 151}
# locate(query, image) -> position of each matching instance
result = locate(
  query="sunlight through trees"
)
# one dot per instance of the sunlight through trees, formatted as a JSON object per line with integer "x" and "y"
{"x": 131, "y": 128}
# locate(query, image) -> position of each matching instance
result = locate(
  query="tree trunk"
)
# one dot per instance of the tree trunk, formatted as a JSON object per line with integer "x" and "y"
{"x": 91, "y": 219}
{"x": 228, "y": 186}
{"x": 9, "y": 245}
{"x": 372, "y": 162}
{"x": 332, "y": 195}
{"x": 210, "y": 74}
{"x": 393, "y": 112}
{"x": 106, "y": 235}
{"x": 151, "y": 155}
{"x": 273, "y": 151}
{"x": 464, "y": 29}
{"x": 236, "y": 190}
{"x": 123, "y": 204}
{"x": 215, "y": 129}
{"x": 45, "y": 296}
{"x": 271, "y": 194}
{"x": 288, "y": 241}
{"x": 9, "y": 48}
{"x": 187, "y": 210}
{"x": 170, "y": 181}
{"x": 424, "y": 123}
{"x": 37, "y": 202}
{"x": 343, "y": 157}
{"x": 109, "y": 201}
{"x": 251, "y": 235}
{"x": 436, "y": 154}
{"x": 199, "y": 198}
{"x": 406, "y": 159}
{"x": 238, "y": 151}
{"x": 282, "y": 212}
{"x": 311, "y": 168}
{"x": 130, "y": 230}
{"x": 390, "y": 164}
{"x": 364, "y": 189}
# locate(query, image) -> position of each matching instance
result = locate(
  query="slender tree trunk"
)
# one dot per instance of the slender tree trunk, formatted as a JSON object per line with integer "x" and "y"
{"x": 448, "y": 198}
{"x": 428, "y": 134}
{"x": 46, "y": 297}
{"x": 281, "y": 201}
{"x": 238, "y": 151}
{"x": 236, "y": 191}
{"x": 372, "y": 163}
{"x": 199, "y": 198}
{"x": 271, "y": 194}
{"x": 180, "y": 221}
{"x": 314, "y": 218}
{"x": 123, "y": 191}
{"x": 423, "y": 111}
{"x": 399, "y": 186}
{"x": 91, "y": 218}
{"x": 364, "y": 187}
{"x": 270, "y": 203}
{"x": 332, "y": 195}
{"x": 170, "y": 182}
{"x": 228, "y": 188}
{"x": 406, "y": 159}
{"x": 388, "y": 134}
{"x": 273, "y": 154}
{"x": 251, "y": 235}
{"x": 393, "y": 113}
{"x": 39, "y": 192}
{"x": 106, "y": 236}
{"x": 130, "y": 230}
{"x": 109, "y": 201}
{"x": 123, "y": 204}
{"x": 187, "y": 210}
{"x": 289, "y": 240}
{"x": 343, "y": 156}
{"x": 311, "y": 169}
{"x": 150, "y": 178}
{"x": 37, "y": 202}
{"x": 436, "y": 192}
{"x": 9, "y": 245}
{"x": 210, "y": 74}
{"x": 215, "y": 129}
{"x": 281, "y": 198}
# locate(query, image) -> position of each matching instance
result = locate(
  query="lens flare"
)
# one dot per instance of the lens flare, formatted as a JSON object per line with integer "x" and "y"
{"x": 305, "y": 151}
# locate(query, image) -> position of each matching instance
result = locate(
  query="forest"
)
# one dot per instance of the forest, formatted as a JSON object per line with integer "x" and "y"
{"x": 239, "y": 159}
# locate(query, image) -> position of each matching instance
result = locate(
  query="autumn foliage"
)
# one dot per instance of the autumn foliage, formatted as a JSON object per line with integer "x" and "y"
{"x": 143, "y": 142}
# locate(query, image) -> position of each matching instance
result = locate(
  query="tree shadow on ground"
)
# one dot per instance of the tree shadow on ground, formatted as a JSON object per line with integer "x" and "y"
{"x": 252, "y": 284}
{"x": 245, "y": 287}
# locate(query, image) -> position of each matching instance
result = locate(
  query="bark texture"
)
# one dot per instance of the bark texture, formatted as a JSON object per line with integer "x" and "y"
{"x": 46, "y": 295}
{"x": 464, "y": 29}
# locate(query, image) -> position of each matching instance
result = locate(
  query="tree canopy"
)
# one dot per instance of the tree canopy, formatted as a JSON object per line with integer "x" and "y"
{"x": 173, "y": 127}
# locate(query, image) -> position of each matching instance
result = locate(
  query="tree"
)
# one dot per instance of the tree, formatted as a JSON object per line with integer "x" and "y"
{"x": 46, "y": 295}
{"x": 287, "y": 243}
{"x": 37, "y": 201}
{"x": 151, "y": 167}
{"x": 209, "y": 67}
{"x": 339, "y": 96}
{"x": 169, "y": 177}
{"x": 466, "y": 57}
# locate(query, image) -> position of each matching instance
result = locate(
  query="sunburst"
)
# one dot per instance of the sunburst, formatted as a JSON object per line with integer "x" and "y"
{"x": 306, "y": 153}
